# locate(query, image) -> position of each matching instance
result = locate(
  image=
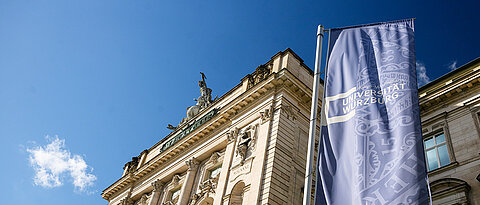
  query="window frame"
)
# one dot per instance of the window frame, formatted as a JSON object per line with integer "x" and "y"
{"x": 432, "y": 127}
{"x": 476, "y": 118}
{"x": 435, "y": 147}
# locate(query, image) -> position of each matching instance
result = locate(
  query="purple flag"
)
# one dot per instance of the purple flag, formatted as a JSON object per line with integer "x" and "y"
{"x": 371, "y": 149}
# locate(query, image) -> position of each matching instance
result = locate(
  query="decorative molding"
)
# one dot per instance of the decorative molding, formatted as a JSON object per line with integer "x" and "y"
{"x": 143, "y": 200}
{"x": 214, "y": 158}
{"x": 232, "y": 134}
{"x": 252, "y": 129}
{"x": 289, "y": 112}
{"x": 188, "y": 129}
{"x": 192, "y": 164}
{"x": 169, "y": 203}
{"x": 440, "y": 124}
{"x": 266, "y": 115}
{"x": 157, "y": 185}
{"x": 175, "y": 180}
{"x": 246, "y": 188}
{"x": 261, "y": 73}
{"x": 456, "y": 189}
{"x": 206, "y": 188}
{"x": 131, "y": 166}
{"x": 126, "y": 201}
{"x": 247, "y": 140}
{"x": 166, "y": 150}
{"x": 226, "y": 198}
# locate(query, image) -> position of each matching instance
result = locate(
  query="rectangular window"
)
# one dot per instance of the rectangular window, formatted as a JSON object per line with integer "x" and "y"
{"x": 175, "y": 194}
{"x": 215, "y": 172}
{"x": 436, "y": 152}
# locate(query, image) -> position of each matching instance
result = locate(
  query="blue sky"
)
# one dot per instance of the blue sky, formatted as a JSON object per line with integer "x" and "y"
{"x": 103, "y": 78}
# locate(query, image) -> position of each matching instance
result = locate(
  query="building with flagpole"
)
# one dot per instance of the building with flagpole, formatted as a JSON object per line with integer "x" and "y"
{"x": 249, "y": 146}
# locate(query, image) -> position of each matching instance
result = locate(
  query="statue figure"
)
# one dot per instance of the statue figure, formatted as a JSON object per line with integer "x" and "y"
{"x": 243, "y": 145}
{"x": 203, "y": 101}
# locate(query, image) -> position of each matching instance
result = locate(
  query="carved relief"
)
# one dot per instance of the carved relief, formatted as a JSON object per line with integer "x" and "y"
{"x": 126, "y": 201}
{"x": 232, "y": 134}
{"x": 243, "y": 144}
{"x": 266, "y": 115}
{"x": 207, "y": 187}
{"x": 289, "y": 112}
{"x": 261, "y": 73}
{"x": 246, "y": 142}
{"x": 192, "y": 164}
{"x": 131, "y": 166}
{"x": 175, "y": 180}
{"x": 172, "y": 190}
{"x": 157, "y": 185}
{"x": 169, "y": 203}
{"x": 174, "y": 197}
{"x": 143, "y": 200}
{"x": 214, "y": 158}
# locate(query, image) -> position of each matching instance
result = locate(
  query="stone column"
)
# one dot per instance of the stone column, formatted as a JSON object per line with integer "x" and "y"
{"x": 157, "y": 192}
{"x": 188, "y": 182}
{"x": 227, "y": 162}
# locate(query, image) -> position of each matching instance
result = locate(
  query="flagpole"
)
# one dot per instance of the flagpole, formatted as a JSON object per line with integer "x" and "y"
{"x": 322, "y": 118}
{"x": 313, "y": 119}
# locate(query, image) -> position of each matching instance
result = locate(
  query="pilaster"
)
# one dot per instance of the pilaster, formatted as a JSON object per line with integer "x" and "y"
{"x": 157, "y": 192}
{"x": 192, "y": 165}
{"x": 227, "y": 161}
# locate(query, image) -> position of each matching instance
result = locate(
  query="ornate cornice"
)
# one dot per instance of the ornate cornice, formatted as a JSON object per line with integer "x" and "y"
{"x": 449, "y": 87}
{"x": 283, "y": 79}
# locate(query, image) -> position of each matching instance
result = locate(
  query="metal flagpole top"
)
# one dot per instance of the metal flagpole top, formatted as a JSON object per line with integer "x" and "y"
{"x": 320, "y": 30}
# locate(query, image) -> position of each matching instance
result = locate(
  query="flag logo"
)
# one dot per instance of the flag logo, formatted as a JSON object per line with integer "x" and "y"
{"x": 371, "y": 149}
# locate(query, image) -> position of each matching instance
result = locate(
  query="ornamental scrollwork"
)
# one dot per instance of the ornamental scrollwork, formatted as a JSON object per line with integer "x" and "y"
{"x": 131, "y": 166}
{"x": 261, "y": 73}
{"x": 232, "y": 134}
{"x": 246, "y": 142}
{"x": 266, "y": 115}
{"x": 157, "y": 185}
{"x": 192, "y": 164}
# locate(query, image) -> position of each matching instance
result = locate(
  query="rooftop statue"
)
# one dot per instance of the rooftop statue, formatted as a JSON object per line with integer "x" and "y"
{"x": 203, "y": 101}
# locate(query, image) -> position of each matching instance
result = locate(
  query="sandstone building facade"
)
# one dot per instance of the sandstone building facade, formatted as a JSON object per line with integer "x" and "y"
{"x": 249, "y": 146}
{"x": 450, "y": 112}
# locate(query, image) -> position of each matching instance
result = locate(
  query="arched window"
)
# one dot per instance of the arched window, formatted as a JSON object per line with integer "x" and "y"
{"x": 236, "y": 197}
{"x": 206, "y": 201}
{"x": 450, "y": 191}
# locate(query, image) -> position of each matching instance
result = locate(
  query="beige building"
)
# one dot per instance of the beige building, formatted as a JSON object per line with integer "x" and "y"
{"x": 450, "y": 112}
{"x": 249, "y": 146}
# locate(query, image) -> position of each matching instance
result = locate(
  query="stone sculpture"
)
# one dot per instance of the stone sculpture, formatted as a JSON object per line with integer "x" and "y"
{"x": 243, "y": 144}
{"x": 203, "y": 101}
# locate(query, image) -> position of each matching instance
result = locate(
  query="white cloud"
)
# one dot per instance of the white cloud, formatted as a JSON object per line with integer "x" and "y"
{"x": 53, "y": 163}
{"x": 453, "y": 65}
{"x": 422, "y": 77}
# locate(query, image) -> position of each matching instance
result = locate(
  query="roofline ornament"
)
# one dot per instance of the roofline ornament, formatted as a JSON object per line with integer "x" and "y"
{"x": 203, "y": 101}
